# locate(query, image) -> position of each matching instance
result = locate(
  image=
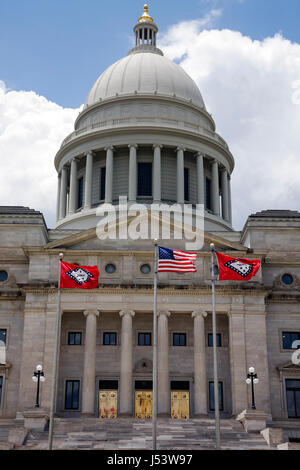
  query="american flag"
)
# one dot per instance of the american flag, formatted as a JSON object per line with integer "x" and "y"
{"x": 176, "y": 261}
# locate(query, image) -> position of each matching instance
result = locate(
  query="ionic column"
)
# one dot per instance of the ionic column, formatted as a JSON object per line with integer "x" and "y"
{"x": 200, "y": 385}
{"x": 157, "y": 173}
{"x": 89, "y": 366}
{"x": 109, "y": 175}
{"x": 229, "y": 199}
{"x": 63, "y": 193}
{"x": 215, "y": 188}
{"x": 225, "y": 199}
{"x": 73, "y": 187}
{"x": 126, "y": 363}
{"x": 163, "y": 363}
{"x": 88, "y": 180}
{"x": 58, "y": 195}
{"x": 132, "y": 190}
{"x": 180, "y": 175}
{"x": 200, "y": 178}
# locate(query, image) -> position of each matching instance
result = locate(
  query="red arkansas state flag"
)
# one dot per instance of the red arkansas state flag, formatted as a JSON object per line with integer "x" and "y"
{"x": 236, "y": 269}
{"x": 73, "y": 276}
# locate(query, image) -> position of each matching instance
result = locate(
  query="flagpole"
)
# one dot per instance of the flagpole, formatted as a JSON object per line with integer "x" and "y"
{"x": 55, "y": 359}
{"x": 154, "y": 411}
{"x": 216, "y": 384}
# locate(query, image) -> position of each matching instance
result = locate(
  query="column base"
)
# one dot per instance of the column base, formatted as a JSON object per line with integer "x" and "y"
{"x": 125, "y": 415}
{"x": 200, "y": 415}
{"x": 87, "y": 415}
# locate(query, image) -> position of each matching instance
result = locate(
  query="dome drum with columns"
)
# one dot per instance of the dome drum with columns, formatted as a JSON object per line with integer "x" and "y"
{"x": 144, "y": 132}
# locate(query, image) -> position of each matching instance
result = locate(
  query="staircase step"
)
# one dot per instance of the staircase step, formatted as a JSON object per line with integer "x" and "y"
{"x": 128, "y": 433}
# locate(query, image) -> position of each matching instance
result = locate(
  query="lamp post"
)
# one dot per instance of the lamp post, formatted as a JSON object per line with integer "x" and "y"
{"x": 38, "y": 376}
{"x": 252, "y": 379}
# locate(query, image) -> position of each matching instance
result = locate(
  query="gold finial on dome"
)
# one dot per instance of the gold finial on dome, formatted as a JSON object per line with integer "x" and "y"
{"x": 145, "y": 16}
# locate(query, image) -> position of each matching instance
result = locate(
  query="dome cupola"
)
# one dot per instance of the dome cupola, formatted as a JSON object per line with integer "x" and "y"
{"x": 145, "y": 34}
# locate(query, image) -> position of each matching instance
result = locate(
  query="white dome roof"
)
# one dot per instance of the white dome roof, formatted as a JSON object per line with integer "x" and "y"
{"x": 145, "y": 73}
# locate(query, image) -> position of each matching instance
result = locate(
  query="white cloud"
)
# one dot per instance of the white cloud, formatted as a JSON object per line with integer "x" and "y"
{"x": 31, "y": 131}
{"x": 252, "y": 90}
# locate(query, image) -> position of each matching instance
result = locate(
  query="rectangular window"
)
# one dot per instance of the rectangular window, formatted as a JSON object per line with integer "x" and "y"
{"x": 1, "y": 386}
{"x": 110, "y": 339}
{"x": 80, "y": 193}
{"x": 102, "y": 183}
{"x": 3, "y": 335}
{"x": 179, "y": 339}
{"x": 186, "y": 185}
{"x": 74, "y": 338}
{"x": 144, "y": 339}
{"x": 208, "y": 194}
{"x": 293, "y": 398}
{"x": 212, "y": 396}
{"x": 72, "y": 395}
{"x": 288, "y": 338}
{"x": 210, "y": 340}
{"x": 145, "y": 179}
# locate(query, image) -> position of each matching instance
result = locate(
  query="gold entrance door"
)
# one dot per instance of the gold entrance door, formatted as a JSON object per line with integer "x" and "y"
{"x": 180, "y": 404}
{"x": 108, "y": 402}
{"x": 143, "y": 404}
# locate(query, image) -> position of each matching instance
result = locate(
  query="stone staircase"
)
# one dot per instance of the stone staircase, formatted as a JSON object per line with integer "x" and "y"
{"x": 132, "y": 434}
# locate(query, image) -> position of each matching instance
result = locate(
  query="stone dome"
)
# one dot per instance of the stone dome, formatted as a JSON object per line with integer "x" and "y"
{"x": 145, "y": 73}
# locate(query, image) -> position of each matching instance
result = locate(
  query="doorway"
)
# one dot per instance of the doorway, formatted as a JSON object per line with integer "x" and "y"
{"x": 180, "y": 400}
{"x": 143, "y": 399}
{"x": 108, "y": 399}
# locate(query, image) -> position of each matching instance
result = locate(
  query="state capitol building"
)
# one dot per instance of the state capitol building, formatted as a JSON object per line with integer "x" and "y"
{"x": 144, "y": 133}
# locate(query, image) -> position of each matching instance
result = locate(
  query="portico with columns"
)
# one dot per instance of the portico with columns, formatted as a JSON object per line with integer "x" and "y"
{"x": 93, "y": 362}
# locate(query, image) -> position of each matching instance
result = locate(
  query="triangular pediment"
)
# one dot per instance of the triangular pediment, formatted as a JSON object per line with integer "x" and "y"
{"x": 289, "y": 366}
{"x": 89, "y": 239}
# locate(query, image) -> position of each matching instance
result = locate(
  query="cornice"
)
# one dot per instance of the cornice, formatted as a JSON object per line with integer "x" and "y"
{"x": 159, "y": 129}
{"x": 141, "y": 290}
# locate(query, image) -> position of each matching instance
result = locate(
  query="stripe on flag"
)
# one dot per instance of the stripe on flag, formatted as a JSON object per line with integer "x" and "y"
{"x": 176, "y": 261}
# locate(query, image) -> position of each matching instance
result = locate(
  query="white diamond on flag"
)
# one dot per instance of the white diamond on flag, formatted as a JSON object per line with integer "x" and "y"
{"x": 79, "y": 275}
{"x": 243, "y": 269}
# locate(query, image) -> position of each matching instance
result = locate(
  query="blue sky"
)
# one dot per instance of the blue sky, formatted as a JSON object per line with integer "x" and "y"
{"x": 59, "y": 47}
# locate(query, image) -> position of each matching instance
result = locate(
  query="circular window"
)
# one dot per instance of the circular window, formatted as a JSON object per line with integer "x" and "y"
{"x": 145, "y": 268}
{"x": 110, "y": 268}
{"x": 3, "y": 276}
{"x": 287, "y": 279}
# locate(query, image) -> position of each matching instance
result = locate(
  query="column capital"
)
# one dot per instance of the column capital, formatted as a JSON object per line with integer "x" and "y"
{"x": 109, "y": 147}
{"x": 91, "y": 312}
{"x": 200, "y": 154}
{"x": 157, "y": 146}
{"x": 199, "y": 313}
{"x": 166, "y": 313}
{"x": 90, "y": 152}
{"x": 180, "y": 148}
{"x": 133, "y": 145}
{"x": 122, "y": 313}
